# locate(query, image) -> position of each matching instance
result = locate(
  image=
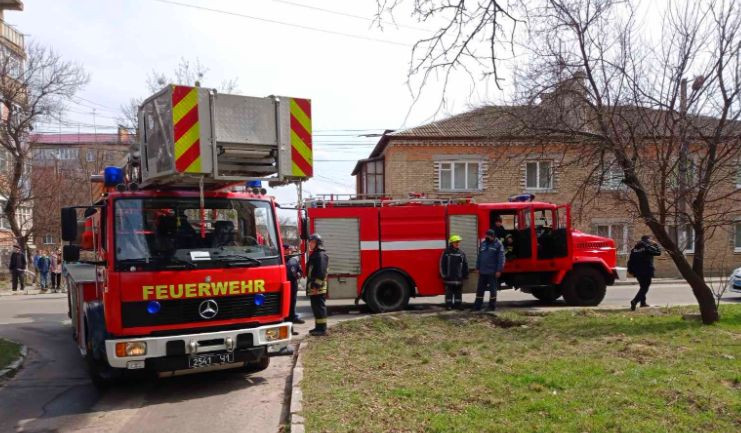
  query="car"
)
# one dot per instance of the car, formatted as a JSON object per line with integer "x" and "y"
{"x": 734, "y": 283}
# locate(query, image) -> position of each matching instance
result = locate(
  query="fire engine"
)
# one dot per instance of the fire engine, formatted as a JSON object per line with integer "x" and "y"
{"x": 384, "y": 251}
{"x": 170, "y": 267}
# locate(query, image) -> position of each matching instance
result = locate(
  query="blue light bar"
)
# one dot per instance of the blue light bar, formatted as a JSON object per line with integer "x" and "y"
{"x": 259, "y": 299}
{"x": 254, "y": 184}
{"x": 521, "y": 197}
{"x": 113, "y": 176}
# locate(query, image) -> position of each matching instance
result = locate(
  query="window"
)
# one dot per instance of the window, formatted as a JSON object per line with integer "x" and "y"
{"x": 90, "y": 155}
{"x": 617, "y": 232}
{"x": 738, "y": 176}
{"x": 372, "y": 177}
{"x": 68, "y": 153}
{"x": 612, "y": 178}
{"x": 459, "y": 176}
{"x": 539, "y": 175}
{"x": 737, "y": 242}
{"x": 48, "y": 239}
{"x": 684, "y": 237}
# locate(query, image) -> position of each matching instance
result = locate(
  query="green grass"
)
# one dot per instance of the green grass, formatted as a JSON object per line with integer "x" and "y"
{"x": 568, "y": 371}
{"x": 9, "y": 352}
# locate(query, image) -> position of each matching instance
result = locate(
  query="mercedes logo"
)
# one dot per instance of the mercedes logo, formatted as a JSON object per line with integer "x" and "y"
{"x": 208, "y": 309}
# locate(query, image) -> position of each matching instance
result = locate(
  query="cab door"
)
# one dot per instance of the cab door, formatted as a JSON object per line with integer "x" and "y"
{"x": 552, "y": 237}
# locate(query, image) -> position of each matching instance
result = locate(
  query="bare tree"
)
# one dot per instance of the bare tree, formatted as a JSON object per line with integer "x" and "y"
{"x": 186, "y": 73}
{"x": 617, "y": 96}
{"x": 32, "y": 90}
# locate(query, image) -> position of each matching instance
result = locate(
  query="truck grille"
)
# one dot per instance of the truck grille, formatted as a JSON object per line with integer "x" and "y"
{"x": 186, "y": 310}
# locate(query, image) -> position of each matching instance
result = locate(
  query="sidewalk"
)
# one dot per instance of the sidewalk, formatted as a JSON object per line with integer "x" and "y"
{"x": 30, "y": 290}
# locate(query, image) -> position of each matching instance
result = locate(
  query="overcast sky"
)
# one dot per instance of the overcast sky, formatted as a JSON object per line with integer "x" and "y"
{"x": 357, "y": 84}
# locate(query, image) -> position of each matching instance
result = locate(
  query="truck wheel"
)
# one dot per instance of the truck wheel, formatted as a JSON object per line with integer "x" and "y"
{"x": 259, "y": 365}
{"x": 584, "y": 286}
{"x": 387, "y": 292}
{"x": 102, "y": 374}
{"x": 547, "y": 295}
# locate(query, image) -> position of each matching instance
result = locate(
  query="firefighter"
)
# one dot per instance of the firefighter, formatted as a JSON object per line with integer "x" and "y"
{"x": 316, "y": 284}
{"x": 293, "y": 269}
{"x": 489, "y": 263}
{"x": 499, "y": 230}
{"x": 453, "y": 270}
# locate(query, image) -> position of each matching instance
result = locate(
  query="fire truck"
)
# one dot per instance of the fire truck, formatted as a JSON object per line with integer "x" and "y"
{"x": 385, "y": 251}
{"x": 176, "y": 265}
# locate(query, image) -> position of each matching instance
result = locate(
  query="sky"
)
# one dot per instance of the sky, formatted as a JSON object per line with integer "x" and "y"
{"x": 328, "y": 51}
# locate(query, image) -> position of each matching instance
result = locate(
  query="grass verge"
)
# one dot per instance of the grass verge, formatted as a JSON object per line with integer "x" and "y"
{"x": 9, "y": 352}
{"x": 568, "y": 371}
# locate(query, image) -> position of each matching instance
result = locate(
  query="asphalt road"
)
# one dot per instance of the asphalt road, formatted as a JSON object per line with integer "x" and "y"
{"x": 52, "y": 392}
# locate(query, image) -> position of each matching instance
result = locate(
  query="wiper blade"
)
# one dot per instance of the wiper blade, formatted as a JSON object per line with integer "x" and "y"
{"x": 241, "y": 257}
{"x": 180, "y": 261}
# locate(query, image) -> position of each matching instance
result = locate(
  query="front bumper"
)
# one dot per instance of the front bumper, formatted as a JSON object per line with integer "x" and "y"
{"x": 735, "y": 286}
{"x": 180, "y": 346}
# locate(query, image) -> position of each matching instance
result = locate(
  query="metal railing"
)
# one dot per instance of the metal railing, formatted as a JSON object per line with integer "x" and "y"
{"x": 12, "y": 35}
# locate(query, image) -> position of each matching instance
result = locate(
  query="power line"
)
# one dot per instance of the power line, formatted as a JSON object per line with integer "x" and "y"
{"x": 283, "y": 23}
{"x": 345, "y": 14}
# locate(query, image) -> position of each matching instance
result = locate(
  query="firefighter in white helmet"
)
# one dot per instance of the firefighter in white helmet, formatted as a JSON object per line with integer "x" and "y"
{"x": 453, "y": 270}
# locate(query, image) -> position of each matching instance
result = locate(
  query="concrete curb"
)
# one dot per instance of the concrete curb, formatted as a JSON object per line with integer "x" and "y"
{"x": 295, "y": 418}
{"x": 14, "y": 366}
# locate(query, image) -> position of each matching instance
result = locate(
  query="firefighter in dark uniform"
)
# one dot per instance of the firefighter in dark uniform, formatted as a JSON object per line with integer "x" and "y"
{"x": 453, "y": 270}
{"x": 293, "y": 269}
{"x": 316, "y": 284}
{"x": 490, "y": 264}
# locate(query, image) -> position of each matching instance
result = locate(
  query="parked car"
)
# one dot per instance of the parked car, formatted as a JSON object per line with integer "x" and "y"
{"x": 734, "y": 283}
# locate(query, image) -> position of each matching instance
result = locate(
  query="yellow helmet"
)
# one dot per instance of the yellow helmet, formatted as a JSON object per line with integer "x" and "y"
{"x": 454, "y": 238}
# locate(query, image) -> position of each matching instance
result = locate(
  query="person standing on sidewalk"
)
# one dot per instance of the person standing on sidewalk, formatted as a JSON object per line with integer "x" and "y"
{"x": 35, "y": 262}
{"x": 641, "y": 265}
{"x": 490, "y": 264}
{"x": 56, "y": 271}
{"x": 293, "y": 269}
{"x": 17, "y": 267}
{"x": 316, "y": 284}
{"x": 453, "y": 270}
{"x": 44, "y": 265}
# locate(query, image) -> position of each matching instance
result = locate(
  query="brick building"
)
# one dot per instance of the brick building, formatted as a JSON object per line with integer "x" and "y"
{"x": 62, "y": 165}
{"x": 482, "y": 154}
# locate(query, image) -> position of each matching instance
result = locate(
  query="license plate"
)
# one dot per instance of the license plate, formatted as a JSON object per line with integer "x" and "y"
{"x": 207, "y": 360}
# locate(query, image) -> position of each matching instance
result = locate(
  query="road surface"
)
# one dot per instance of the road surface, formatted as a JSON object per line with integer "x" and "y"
{"x": 53, "y": 394}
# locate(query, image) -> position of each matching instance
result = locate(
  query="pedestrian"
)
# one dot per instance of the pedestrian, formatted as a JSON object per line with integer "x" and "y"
{"x": 316, "y": 284}
{"x": 56, "y": 272}
{"x": 453, "y": 270}
{"x": 17, "y": 267}
{"x": 35, "y": 261}
{"x": 641, "y": 265}
{"x": 44, "y": 266}
{"x": 293, "y": 269}
{"x": 490, "y": 264}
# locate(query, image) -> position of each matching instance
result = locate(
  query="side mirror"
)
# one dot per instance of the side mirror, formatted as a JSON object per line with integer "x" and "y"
{"x": 69, "y": 224}
{"x": 304, "y": 228}
{"x": 90, "y": 211}
{"x": 71, "y": 253}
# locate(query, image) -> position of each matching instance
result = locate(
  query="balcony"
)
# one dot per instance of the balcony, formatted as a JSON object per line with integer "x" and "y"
{"x": 10, "y": 34}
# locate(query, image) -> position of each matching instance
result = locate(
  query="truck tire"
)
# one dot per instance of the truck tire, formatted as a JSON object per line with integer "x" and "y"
{"x": 259, "y": 365}
{"x": 102, "y": 374}
{"x": 388, "y": 291}
{"x": 546, "y": 295}
{"x": 584, "y": 286}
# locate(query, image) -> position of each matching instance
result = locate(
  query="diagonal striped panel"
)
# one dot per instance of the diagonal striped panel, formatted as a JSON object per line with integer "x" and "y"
{"x": 187, "y": 129}
{"x": 301, "y": 143}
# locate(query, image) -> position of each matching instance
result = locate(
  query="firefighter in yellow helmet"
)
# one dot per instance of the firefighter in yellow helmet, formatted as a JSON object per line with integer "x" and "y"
{"x": 453, "y": 270}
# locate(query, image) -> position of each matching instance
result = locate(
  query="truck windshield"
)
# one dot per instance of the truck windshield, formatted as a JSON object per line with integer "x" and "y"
{"x": 170, "y": 233}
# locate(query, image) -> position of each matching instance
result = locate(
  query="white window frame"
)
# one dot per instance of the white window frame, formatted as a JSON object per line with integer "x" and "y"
{"x": 612, "y": 179}
{"x": 48, "y": 239}
{"x": 537, "y": 186}
{"x": 624, "y": 229}
{"x": 451, "y": 168}
{"x": 682, "y": 239}
{"x": 736, "y": 228}
{"x": 738, "y": 176}
{"x": 90, "y": 156}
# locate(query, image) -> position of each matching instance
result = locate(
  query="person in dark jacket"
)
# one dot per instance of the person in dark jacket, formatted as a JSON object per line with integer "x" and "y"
{"x": 641, "y": 265}
{"x": 499, "y": 231}
{"x": 293, "y": 269}
{"x": 17, "y": 267}
{"x": 44, "y": 268}
{"x": 490, "y": 264}
{"x": 316, "y": 284}
{"x": 453, "y": 270}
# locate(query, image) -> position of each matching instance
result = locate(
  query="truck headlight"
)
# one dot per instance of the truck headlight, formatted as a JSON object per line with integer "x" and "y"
{"x": 274, "y": 334}
{"x": 131, "y": 348}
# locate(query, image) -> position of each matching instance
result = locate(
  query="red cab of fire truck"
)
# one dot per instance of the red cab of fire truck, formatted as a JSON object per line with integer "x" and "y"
{"x": 173, "y": 268}
{"x": 385, "y": 251}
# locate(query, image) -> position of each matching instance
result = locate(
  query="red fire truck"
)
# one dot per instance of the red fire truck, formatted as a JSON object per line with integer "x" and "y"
{"x": 169, "y": 268}
{"x": 384, "y": 251}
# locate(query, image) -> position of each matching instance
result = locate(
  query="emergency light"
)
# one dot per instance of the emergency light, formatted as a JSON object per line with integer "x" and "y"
{"x": 521, "y": 198}
{"x": 259, "y": 299}
{"x": 153, "y": 307}
{"x": 112, "y": 176}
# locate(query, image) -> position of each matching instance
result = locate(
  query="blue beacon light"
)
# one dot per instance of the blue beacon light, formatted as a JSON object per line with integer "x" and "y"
{"x": 112, "y": 176}
{"x": 259, "y": 299}
{"x": 153, "y": 307}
